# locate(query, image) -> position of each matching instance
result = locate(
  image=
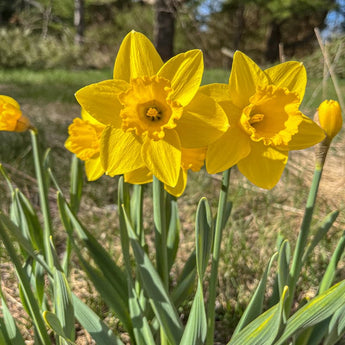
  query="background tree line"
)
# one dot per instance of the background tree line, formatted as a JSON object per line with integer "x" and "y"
{"x": 86, "y": 33}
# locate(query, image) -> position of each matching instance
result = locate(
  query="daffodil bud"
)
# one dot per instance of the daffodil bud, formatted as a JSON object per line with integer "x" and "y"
{"x": 330, "y": 118}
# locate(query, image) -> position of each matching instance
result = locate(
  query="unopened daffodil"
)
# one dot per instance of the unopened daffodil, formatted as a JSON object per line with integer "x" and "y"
{"x": 84, "y": 141}
{"x": 265, "y": 120}
{"x": 151, "y": 110}
{"x": 11, "y": 117}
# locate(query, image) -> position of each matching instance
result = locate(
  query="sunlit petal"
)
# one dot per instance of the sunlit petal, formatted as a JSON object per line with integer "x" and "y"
{"x": 137, "y": 57}
{"x": 163, "y": 157}
{"x": 181, "y": 184}
{"x": 202, "y": 122}
{"x": 10, "y": 100}
{"x": 185, "y": 73}
{"x": 100, "y": 100}
{"x": 263, "y": 166}
{"x": 244, "y": 78}
{"x": 227, "y": 151}
{"x": 139, "y": 176}
{"x": 93, "y": 168}
{"x": 291, "y": 74}
{"x": 120, "y": 151}
{"x": 309, "y": 134}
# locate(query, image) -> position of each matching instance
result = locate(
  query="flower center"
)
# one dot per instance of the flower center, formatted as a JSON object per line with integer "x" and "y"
{"x": 153, "y": 114}
{"x": 148, "y": 107}
{"x": 272, "y": 115}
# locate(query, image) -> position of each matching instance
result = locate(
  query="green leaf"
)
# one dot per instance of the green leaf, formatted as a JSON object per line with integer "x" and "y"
{"x": 76, "y": 183}
{"x": 98, "y": 330}
{"x": 329, "y": 275}
{"x": 154, "y": 289}
{"x": 9, "y": 327}
{"x": 317, "y": 310}
{"x": 101, "y": 257}
{"x": 24, "y": 284}
{"x": 204, "y": 236}
{"x": 336, "y": 328}
{"x": 186, "y": 281}
{"x": 196, "y": 328}
{"x": 63, "y": 304}
{"x": 54, "y": 323}
{"x": 283, "y": 265}
{"x": 174, "y": 227}
{"x": 320, "y": 233}
{"x": 264, "y": 329}
{"x": 254, "y": 307}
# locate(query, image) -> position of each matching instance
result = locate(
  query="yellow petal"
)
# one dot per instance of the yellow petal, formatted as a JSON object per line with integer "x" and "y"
{"x": 185, "y": 73}
{"x": 93, "y": 168}
{"x": 181, "y": 185}
{"x": 100, "y": 100}
{"x": 163, "y": 157}
{"x": 263, "y": 166}
{"x": 137, "y": 57}
{"x": 10, "y": 100}
{"x": 87, "y": 117}
{"x": 139, "y": 176}
{"x": 120, "y": 151}
{"x": 219, "y": 92}
{"x": 203, "y": 121}
{"x": 291, "y": 74}
{"x": 245, "y": 76}
{"x": 227, "y": 151}
{"x": 309, "y": 134}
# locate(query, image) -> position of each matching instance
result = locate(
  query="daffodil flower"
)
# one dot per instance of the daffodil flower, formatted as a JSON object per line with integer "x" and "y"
{"x": 192, "y": 159}
{"x": 265, "y": 120}
{"x": 11, "y": 117}
{"x": 151, "y": 110}
{"x": 84, "y": 141}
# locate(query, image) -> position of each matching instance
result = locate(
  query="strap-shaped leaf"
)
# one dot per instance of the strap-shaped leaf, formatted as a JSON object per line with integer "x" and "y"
{"x": 204, "y": 236}
{"x": 8, "y": 326}
{"x": 283, "y": 265}
{"x": 264, "y": 329}
{"x": 336, "y": 328}
{"x": 317, "y": 310}
{"x": 154, "y": 289}
{"x": 101, "y": 257}
{"x": 196, "y": 328}
{"x": 254, "y": 307}
{"x": 63, "y": 304}
{"x": 98, "y": 330}
{"x": 24, "y": 283}
{"x": 54, "y": 323}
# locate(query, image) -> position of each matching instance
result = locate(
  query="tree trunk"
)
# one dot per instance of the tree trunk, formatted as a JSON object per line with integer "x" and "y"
{"x": 164, "y": 28}
{"x": 79, "y": 21}
{"x": 273, "y": 40}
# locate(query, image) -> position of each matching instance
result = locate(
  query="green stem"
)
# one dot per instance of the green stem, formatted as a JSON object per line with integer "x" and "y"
{"x": 302, "y": 239}
{"x": 223, "y": 196}
{"x": 43, "y": 196}
{"x": 159, "y": 217}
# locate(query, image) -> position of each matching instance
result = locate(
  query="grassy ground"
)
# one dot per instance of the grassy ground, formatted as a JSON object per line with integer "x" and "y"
{"x": 258, "y": 216}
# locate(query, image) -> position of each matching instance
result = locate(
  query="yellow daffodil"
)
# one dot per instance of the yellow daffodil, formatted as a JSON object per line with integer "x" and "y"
{"x": 265, "y": 120}
{"x": 330, "y": 119}
{"x": 84, "y": 141}
{"x": 11, "y": 117}
{"x": 192, "y": 159}
{"x": 151, "y": 110}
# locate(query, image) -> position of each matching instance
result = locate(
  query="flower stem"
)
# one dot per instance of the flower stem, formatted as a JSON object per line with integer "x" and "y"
{"x": 223, "y": 196}
{"x": 43, "y": 196}
{"x": 296, "y": 265}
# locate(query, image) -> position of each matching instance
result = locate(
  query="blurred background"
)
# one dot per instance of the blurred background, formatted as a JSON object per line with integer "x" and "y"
{"x": 87, "y": 33}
